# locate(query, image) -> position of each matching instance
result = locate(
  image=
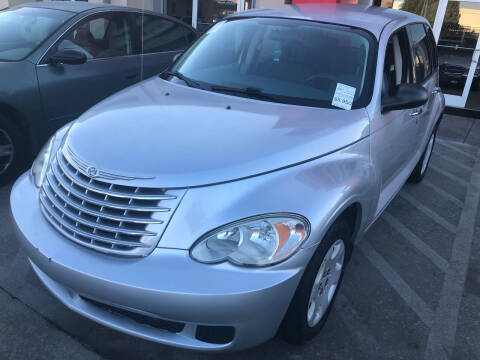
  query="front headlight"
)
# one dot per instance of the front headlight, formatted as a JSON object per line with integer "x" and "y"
{"x": 40, "y": 165}
{"x": 258, "y": 241}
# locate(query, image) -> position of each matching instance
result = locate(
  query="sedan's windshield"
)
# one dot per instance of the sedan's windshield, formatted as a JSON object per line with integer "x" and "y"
{"x": 22, "y": 30}
{"x": 291, "y": 61}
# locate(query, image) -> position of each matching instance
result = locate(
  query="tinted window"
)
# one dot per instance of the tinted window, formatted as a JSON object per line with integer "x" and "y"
{"x": 421, "y": 53}
{"x": 160, "y": 34}
{"x": 298, "y": 62}
{"x": 23, "y": 30}
{"x": 397, "y": 69}
{"x": 105, "y": 36}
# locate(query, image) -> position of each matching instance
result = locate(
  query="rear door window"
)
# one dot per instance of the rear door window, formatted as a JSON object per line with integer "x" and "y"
{"x": 162, "y": 35}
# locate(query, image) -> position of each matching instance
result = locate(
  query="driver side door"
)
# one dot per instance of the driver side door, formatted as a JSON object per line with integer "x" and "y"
{"x": 394, "y": 140}
{"x": 113, "y": 63}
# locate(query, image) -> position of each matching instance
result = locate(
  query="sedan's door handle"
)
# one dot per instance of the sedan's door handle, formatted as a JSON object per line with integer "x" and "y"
{"x": 416, "y": 112}
{"x": 131, "y": 76}
{"x": 436, "y": 90}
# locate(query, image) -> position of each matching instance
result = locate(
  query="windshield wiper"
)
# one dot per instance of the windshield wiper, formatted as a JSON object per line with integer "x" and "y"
{"x": 251, "y": 92}
{"x": 186, "y": 80}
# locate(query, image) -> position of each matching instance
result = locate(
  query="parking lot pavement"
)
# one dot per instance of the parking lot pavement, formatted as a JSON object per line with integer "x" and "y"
{"x": 411, "y": 291}
{"x": 460, "y": 129}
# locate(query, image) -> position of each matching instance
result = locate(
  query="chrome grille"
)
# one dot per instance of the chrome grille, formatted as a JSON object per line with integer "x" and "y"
{"x": 111, "y": 218}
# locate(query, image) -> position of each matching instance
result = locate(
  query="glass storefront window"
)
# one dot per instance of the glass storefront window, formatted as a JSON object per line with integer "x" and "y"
{"x": 180, "y": 9}
{"x": 211, "y": 11}
{"x": 473, "y": 99}
{"x": 425, "y": 8}
{"x": 456, "y": 48}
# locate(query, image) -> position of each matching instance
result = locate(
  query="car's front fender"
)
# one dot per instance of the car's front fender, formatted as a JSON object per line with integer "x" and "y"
{"x": 320, "y": 190}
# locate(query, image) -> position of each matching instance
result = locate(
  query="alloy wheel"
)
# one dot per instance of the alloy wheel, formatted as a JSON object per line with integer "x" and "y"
{"x": 428, "y": 153}
{"x": 326, "y": 282}
{"x": 6, "y": 151}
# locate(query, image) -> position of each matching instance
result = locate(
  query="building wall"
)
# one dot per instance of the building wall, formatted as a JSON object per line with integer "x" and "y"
{"x": 156, "y": 5}
{"x": 268, "y": 3}
{"x": 9, "y": 3}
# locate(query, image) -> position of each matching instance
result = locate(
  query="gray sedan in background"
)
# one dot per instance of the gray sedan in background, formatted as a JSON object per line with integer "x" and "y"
{"x": 212, "y": 206}
{"x": 58, "y": 59}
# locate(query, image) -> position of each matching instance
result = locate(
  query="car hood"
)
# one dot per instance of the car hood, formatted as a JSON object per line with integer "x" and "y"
{"x": 183, "y": 137}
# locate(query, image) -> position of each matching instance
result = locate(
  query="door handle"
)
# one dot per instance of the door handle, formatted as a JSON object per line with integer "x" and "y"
{"x": 436, "y": 90}
{"x": 131, "y": 76}
{"x": 416, "y": 112}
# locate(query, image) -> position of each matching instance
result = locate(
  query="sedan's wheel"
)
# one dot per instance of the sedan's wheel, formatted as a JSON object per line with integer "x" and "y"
{"x": 326, "y": 283}
{"x": 319, "y": 285}
{"x": 6, "y": 151}
{"x": 421, "y": 168}
{"x": 13, "y": 153}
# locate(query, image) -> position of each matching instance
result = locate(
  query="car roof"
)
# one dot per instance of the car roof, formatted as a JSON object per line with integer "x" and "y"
{"x": 70, "y": 6}
{"x": 371, "y": 18}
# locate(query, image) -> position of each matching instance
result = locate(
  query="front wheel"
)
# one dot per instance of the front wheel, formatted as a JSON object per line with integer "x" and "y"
{"x": 317, "y": 290}
{"x": 421, "y": 168}
{"x": 12, "y": 151}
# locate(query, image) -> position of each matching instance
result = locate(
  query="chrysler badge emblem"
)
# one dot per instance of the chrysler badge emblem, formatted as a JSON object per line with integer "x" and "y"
{"x": 92, "y": 172}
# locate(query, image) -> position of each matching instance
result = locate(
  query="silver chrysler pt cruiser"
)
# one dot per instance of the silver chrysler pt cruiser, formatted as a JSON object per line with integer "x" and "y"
{"x": 217, "y": 204}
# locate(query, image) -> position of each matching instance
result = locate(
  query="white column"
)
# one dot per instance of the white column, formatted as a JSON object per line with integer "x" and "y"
{"x": 194, "y": 13}
{"x": 240, "y": 5}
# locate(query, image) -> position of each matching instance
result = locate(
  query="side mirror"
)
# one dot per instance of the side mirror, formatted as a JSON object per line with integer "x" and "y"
{"x": 68, "y": 57}
{"x": 407, "y": 96}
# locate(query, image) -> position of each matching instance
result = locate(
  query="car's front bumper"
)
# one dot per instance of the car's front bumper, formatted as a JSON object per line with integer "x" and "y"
{"x": 167, "y": 285}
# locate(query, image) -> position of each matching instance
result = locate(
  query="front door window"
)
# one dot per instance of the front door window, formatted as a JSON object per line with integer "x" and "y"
{"x": 105, "y": 36}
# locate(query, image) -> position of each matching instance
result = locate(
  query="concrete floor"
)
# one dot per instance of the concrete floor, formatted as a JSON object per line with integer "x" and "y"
{"x": 411, "y": 291}
{"x": 460, "y": 129}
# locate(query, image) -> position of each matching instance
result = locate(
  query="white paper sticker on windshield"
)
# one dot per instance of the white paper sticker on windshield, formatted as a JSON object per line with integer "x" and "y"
{"x": 343, "y": 97}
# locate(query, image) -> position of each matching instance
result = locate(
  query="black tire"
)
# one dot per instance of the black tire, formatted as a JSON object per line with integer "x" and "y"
{"x": 9, "y": 132}
{"x": 419, "y": 172}
{"x": 295, "y": 328}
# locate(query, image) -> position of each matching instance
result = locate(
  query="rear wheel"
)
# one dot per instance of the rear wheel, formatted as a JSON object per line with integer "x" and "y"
{"x": 317, "y": 290}
{"x": 12, "y": 151}
{"x": 421, "y": 168}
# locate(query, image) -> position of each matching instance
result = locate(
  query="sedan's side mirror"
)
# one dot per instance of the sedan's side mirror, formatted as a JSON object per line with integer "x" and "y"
{"x": 68, "y": 57}
{"x": 407, "y": 96}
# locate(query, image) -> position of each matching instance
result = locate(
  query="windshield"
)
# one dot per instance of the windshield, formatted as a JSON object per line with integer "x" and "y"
{"x": 294, "y": 61}
{"x": 23, "y": 30}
